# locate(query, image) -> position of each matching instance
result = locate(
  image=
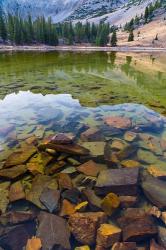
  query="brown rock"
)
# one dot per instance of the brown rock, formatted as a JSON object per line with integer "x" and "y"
{"x": 53, "y": 168}
{"x": 33, "y": 244}
{"x": 64, "y": 181}
{"x": 91, "y": 134}
{"x": 67, "y": 208}
{"x": 118, "y": 181}
{"x": 53, "y": 231}
{"x": 118, "y": 144}
{"x": 128, "y": 201}
{"x": 155, "y": 212}
{"x": 4, "y": 196}
{"x": 62, "y": 138}
{"x": 31, "y": 140}
{"x": 16, "y": 192}
{"x": 17, "y": 217}
{"x": 73, "y": 149}
{"x": 124, "y": 246}
{"x": 40, "y": 182}
{"x": 96, "y": 149}
{"x": 162, "y": 236}
{"x": 137, "y": 225}
{"x": 118, "y": 122}
{"x": 107, "y": 235}
{"x": 139, "y": 230}
{"x": 6, "y": 130}
{"x": 163, "y": 217}
{"x": 130, "y": 136}
{"x": 130, "y": 164}
{"x": 84, "y": 226}
{"x": 50, "y": 199}
{"x": 93, "y": 199}
{"x": 35, "y": 168}
{"x": 110, "y": 203}
{"x": 155, "y": 246}
{"x": 16, "y": 237}
{"x": 89, "y": 168}
{"x": 20, "y": 157}
{"x": 13, "y": 172}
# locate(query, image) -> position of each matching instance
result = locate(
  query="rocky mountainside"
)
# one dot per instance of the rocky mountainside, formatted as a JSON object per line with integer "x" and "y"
{"x": 113, "y": 11}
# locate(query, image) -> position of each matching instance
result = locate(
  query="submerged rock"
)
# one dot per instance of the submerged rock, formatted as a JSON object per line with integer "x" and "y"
{"x": 155, "y": 246}
{"x": 89, "y": 168}
{"x": 17, "y": 217}
{"x": 4, "y": 196}
{"x": 107, "y": 235}
{"x": 146, "y": 156}
{"x": 13, "y": 172}
{"x": 73, "y": 149}
{"x": 118, "y": 122}
{"x": 16, "y": 192}
{"x": 93, "y": 200}
{"x": 20, "y": 157}
{"x": 119, "y": 181}
{"x": 155, "y": 190}
{"x": 137, "y": 225}
{"x": 67, "y": 208}
{"x": 50, "y": 199}
{"x": 53, "y": 232}
{"x": 84, "y": 226}
{"x": 16, "y": 237}
{"x": 92, "y": 134}
{"x": 96, "y": 149}
{"x": 110, "y": 203}
{"x": 33, "y": 244}
{"x": 124, "y": 246}
{"x": 40, "y": 182}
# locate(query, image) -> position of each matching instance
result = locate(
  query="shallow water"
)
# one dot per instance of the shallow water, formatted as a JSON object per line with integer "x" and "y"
{"x": 42, "y": 94}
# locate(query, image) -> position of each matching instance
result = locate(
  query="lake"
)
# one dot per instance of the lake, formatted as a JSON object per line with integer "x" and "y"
{"x": 111, "y": 105}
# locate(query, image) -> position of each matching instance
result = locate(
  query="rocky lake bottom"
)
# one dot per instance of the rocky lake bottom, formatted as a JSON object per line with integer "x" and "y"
{"x": 87, "y": 169}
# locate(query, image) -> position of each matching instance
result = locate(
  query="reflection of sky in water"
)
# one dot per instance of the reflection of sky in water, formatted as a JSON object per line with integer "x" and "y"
{"x": 34, "y": 114}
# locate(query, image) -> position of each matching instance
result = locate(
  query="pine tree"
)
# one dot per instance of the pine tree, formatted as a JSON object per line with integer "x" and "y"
{"x": 3, "y": 30}
{"x": 114, "y": 39}
{"x": 131, "y": 36}
{"x": 146, "y": 16}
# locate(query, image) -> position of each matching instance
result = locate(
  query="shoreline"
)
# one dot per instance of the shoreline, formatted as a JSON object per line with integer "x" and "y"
{"x": 43, "y": 48}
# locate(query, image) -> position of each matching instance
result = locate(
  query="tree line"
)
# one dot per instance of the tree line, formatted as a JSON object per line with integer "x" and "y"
{"x": 19, "y": 31}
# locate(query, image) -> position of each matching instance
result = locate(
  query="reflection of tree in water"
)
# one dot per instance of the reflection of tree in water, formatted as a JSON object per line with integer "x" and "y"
{"x": 112, "y": 59}
{"x": 128, "y": 60}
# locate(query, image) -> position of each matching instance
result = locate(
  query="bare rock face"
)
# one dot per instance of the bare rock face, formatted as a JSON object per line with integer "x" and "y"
{"x": 84, "y": 226}
{"x": 118, "y": 181}
{"x": 53, "y": 232}
{"x": 107, "y": 235}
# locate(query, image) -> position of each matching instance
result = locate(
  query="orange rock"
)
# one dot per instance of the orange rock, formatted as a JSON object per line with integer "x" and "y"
{"x": 84, "y": 226}
{"x": 118, "y": 122}
{"x": 64, "y": 181}
{"x": 110, "y": 203}
{"x": 130, "y": 164}
{"x": 89, "y": 168}
{"x": 16, "y": 192}
{"x": 67, "y": 208}
{"x": 33, "y": 244}
{"x": 107, "y": 235}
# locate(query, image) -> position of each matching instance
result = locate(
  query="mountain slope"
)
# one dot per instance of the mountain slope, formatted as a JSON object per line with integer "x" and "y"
{"x": 115, "y": 12}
